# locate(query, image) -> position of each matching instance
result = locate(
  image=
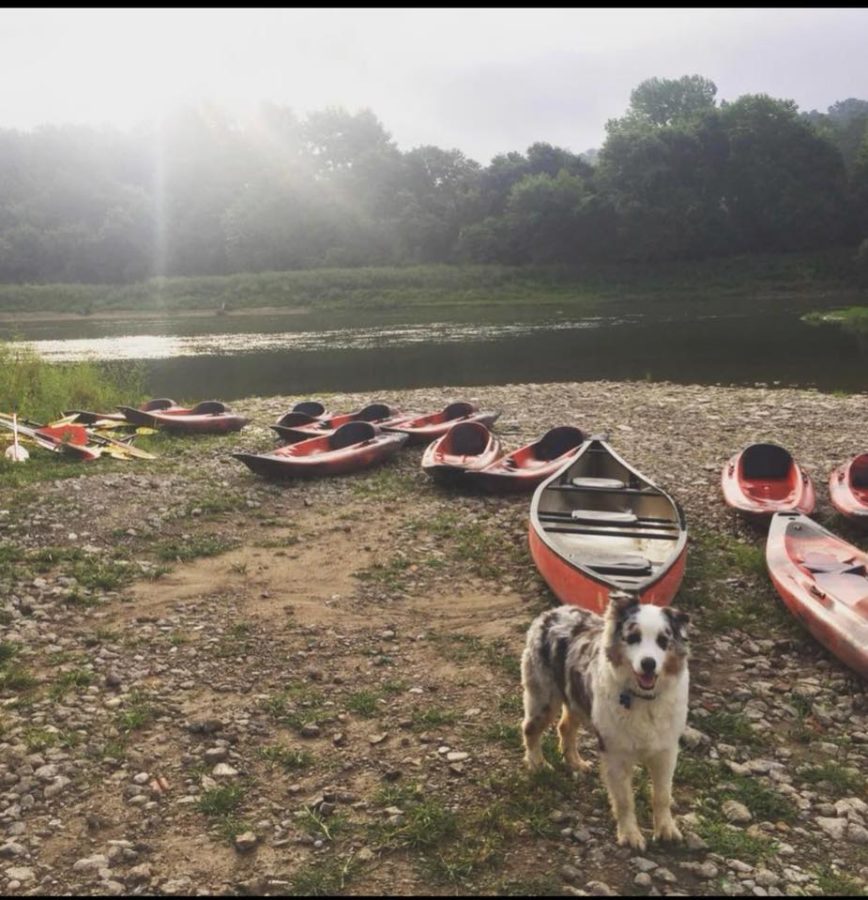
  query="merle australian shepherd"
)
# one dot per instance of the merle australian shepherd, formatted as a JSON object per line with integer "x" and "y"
{"x": 622, "y": 675}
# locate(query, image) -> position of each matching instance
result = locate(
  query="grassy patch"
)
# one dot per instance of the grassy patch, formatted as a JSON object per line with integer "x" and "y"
{"x": 192, "y": 547}
{"x": 364, "y": 703}
{"x": 840, "y": 778}
{"x": 288, "y": 758}
{"x": 731, "y": 728}
{"x": 76, "y": 678}
{"x": 138, "y": 714}
{"x": 734, "y": 843}
{"x": 433, "y": 717}
{"x": 834, "y": 883}
{"x": 323, "y": 878}
{"x": 296, "y": 706}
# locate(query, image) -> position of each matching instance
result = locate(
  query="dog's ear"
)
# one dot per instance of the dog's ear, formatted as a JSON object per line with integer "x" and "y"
{"x": 621, "y": 604}
{"x": 678, "y": 621}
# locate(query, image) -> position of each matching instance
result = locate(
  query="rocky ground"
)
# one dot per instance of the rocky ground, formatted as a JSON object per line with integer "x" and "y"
{"x": 213, "y": 684}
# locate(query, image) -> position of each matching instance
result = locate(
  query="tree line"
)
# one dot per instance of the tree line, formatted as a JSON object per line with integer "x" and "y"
{"x": 679, "y": 176}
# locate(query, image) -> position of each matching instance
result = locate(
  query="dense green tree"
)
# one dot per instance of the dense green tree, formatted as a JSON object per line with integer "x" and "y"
{"x": 785, "y": 187}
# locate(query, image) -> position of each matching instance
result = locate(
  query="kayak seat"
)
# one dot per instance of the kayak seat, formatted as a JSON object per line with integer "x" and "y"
{"x": 309, "y": 407}
{"x": 859, "y": 476}
{"x": 467, "y": 439}
{"x": 351, "y": 433}
{"x": 209, "y": 408}
{"x": 557, "y": 441}
{"x": 592, "y": 482}
{"x": 626, "y": 564}
{"x": 604, "y": 516}
{"x": 761, "y": 462}
{"x": 161, "y": 403}
{"x": 374, "y": 412}
{"x": 457, "y": 410}
{"x": 295, "y": 418}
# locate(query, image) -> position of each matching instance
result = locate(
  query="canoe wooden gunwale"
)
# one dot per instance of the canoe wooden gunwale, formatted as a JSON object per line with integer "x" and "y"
{"x": 817, "y": 594}
{"x": 576, "y": 582}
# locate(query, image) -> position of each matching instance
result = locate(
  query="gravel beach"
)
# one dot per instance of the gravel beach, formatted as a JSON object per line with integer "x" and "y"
{"x": 210, "y": 683}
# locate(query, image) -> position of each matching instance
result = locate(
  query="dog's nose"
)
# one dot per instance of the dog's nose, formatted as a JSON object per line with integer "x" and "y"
{"x": 648, "y": 665}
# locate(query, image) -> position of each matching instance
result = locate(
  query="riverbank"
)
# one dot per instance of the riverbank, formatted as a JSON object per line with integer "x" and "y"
{"x": 211, "y": 682}
{"x": 819, "y": 279}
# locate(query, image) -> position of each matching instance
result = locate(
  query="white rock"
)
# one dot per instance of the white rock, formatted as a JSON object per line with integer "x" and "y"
{"x": 736, "y": 812}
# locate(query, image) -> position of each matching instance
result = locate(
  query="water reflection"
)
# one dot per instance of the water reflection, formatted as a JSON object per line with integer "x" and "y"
{"x": 151, "y": 347}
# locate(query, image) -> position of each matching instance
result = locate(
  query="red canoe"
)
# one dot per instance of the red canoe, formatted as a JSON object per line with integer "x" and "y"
{"x": 525, "y": 468}
{"x": 292, "y": 428}
{"x": 764, "y": 479}
{"x": 465, "y": 448}
{"x": 824, "y": 582}
{"x": 429, "y": 427}
{"x": 354, "y": 446}
{"x": 208, "y": 417}
{"x": 848, "y": 489}
{"x": 598, "y": 525}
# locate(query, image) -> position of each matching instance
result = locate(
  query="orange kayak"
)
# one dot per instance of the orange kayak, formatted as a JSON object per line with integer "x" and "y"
{"x": 525, "y": 468}
{"x": 465, "y": 448}
{"x": 426, "y": 428}
{"x": 292, "y": 427}
{"x": 353, "y": 446}
{"x": 823, "y": 580}
{"x": 207, "y": 417}
{"x": 763, "y": 479}
{"x": 848, "y": 489}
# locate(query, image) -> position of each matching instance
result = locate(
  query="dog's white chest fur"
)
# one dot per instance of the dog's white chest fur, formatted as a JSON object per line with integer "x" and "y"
{"x": 646, "y": 726}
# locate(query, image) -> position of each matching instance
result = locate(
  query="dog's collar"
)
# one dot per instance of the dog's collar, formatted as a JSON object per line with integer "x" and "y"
{"x": 626, "y": 698}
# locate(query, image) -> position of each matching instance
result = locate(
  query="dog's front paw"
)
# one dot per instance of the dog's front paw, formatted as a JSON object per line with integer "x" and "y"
{"x": 536, "y": 763}
{"x": 667, "y": 831}
{"x": 630, "y": 836}
{"x": 577, "y": 764}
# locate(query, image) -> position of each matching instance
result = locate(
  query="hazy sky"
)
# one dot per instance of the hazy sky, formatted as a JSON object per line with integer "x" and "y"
{"x": 483, "y": 80}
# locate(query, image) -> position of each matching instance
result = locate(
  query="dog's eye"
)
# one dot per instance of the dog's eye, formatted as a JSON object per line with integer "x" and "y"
{"x": 662, "y": 641}
{"x": 634, "y": 638}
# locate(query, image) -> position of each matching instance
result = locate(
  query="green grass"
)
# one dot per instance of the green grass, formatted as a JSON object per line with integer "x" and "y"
{"x": 433, "y": 717}
{"x": 731, "y": 728}
{"x": 289, "y": 759}
{"x": 734, "y": 843}
{"x": 77, "y": 678}
{"x": 40, "y": 391}
{"x": 324, "y": 877}
{"x": 14, "y": 676}
{"x": 194, "y": 547}
{"x": 833, "y": 883}
{"x": 296, "y": 706}
{"x": 138, "y": 714}
{"x": 221, "y": 802}
{"x": 842, "y": 779}
{"x": 364, "y": 703}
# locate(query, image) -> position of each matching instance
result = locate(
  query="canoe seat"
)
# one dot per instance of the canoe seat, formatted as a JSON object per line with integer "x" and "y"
{"x": 591, "y": 482}
{"x": 626, "y": 564}
{"x": 557, "y": 441}
{"x": 351, "y": 433}
{"x": 765, "y": 461}
{"x": 604, "y": 516}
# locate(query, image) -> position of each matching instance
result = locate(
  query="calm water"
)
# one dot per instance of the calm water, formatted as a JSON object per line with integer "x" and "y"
{"x": 236, "y": 356}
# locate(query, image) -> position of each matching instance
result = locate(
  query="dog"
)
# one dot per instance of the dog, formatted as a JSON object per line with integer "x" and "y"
{"x": 624, "y": 676}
